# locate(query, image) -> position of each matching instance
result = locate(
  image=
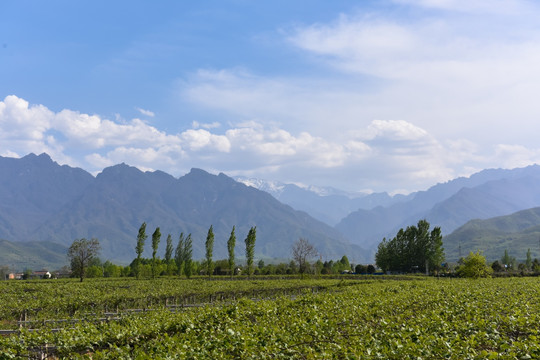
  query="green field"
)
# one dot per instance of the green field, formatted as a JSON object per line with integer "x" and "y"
{"x": 354, "y": 318}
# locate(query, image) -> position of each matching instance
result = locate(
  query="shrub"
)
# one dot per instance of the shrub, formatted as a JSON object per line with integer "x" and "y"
{"x": 474, "y": 266}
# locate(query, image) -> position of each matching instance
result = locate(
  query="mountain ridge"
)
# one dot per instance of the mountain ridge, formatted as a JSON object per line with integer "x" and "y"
{"x": 112, "y": 206}
{"x": 515, "y": 233}
{"x": 488, "y": 193}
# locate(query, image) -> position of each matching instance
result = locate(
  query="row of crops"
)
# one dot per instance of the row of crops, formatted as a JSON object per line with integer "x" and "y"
{"x": 43, "y": 300}
{"x": 376, "y": 319}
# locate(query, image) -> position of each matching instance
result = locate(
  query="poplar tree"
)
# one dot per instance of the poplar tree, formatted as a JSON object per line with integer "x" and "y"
{"x": 180, "y": 256}
{"x": 168, "y": 253}
{"x": 231, "y": 243}
{"x": 188, "y": 253}
{"x": 209, "y": 250}
{"x": 250, "y": 249}
{"x": 141, "y": 238}
{"x": 156, "y": 236}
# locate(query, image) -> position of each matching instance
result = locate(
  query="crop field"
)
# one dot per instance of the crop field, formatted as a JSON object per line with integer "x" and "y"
{"x": 353, "y": 318}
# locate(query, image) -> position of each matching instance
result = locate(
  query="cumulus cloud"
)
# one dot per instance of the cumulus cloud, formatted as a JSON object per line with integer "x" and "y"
{"x": 245, "y": 148}
{"x": 381, "y": 155}
{"x": 197, "y": 140}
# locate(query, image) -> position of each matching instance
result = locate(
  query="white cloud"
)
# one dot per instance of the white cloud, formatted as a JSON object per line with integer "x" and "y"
{"x": 381, "y": 155}
{"x": 511, "y": 156}
{"x": 146, "y": 112}
{"x": 19, "y": 120}
{"x": 395, "y": 130}
{"x": 208, "y": 126}
{"x": 202, "y": 139}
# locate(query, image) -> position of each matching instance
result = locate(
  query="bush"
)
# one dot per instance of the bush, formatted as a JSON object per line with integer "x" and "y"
{"x": 497, "y": 266}
{"x": 360, "y": 269}
{"x": 474, "y": 266}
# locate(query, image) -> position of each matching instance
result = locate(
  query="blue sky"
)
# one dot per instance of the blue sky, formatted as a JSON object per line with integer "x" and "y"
{"x": 390, "y": 95}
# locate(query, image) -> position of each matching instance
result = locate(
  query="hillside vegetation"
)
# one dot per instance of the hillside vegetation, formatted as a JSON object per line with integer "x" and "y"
{"x": 32, "y": 255}
{"x": 515, "y": 233}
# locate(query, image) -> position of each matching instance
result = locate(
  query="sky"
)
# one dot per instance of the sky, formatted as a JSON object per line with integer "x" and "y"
{"x": 388, "y": 95}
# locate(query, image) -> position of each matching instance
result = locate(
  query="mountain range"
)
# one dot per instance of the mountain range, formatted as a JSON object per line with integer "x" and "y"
{"x": 486, "y": 194}
{"x": 366, "y": 219}
{"x": 326, "y": 204}
{"x": 43, "y": 201}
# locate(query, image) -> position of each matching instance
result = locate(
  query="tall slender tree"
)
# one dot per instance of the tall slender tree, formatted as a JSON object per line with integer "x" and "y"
{"x": 141, "y": 238}
{"x": 528, "y": 261}
{"x": 188, "y": 253}
{"x": 209, "y": 250}
{"x": 231, "y": 243}
{"x": 156, "y": 236}
{"x": 250, "y": 249}
{"x": 179, "y": 255}
{"x": 168, "y": 253}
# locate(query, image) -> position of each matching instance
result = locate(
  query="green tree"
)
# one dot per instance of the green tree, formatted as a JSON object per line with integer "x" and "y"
{"x": 180, "y": 256}
{"x": 413, "y": 249}
{"x": 360, "y": 269}
{"x": 168, "y": 253}
{"x": 188, "y": 254}
{"x": 496, "y": 266}
{"x": 474, "y": 266}
{"x": 4, "y": 272}
{"x": 94, "y": 271}
{"x": 528, "y": 260}
{"x": 111, "y": 270}
{"x": 383, "y": 257}
{"x": 508, "y": 260}
{"x": 345, "y": 262}
{"x": 209, "y": 250}
{"x": 81, "y": 253}
{"x": 139, "y": 248}
{"x": 156, "y": 236}
{"x": 250, "y": 249}
{"x": 536, "y": 265}
{"x": 319, "y": 265}
{"x": 231, "y": 243}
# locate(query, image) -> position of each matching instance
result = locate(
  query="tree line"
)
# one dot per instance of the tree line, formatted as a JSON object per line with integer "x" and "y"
{"x": 179, "y": 261}
{"x": 415, "y": 249}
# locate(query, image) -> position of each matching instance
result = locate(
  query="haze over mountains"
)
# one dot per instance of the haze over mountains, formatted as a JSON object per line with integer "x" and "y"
{"x": 43, "y": 201}
{"x": 327, "y": 204}
{"x": 486, "y": 194}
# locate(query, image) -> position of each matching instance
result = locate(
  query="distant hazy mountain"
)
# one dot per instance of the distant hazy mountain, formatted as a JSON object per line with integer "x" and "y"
{"x": 32, "y": 255}
{"x": 485, "y": 194}
{"x": 516, "y": 233}
{"x": 59, "y": 204}
{"x": 326, "y": 204}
